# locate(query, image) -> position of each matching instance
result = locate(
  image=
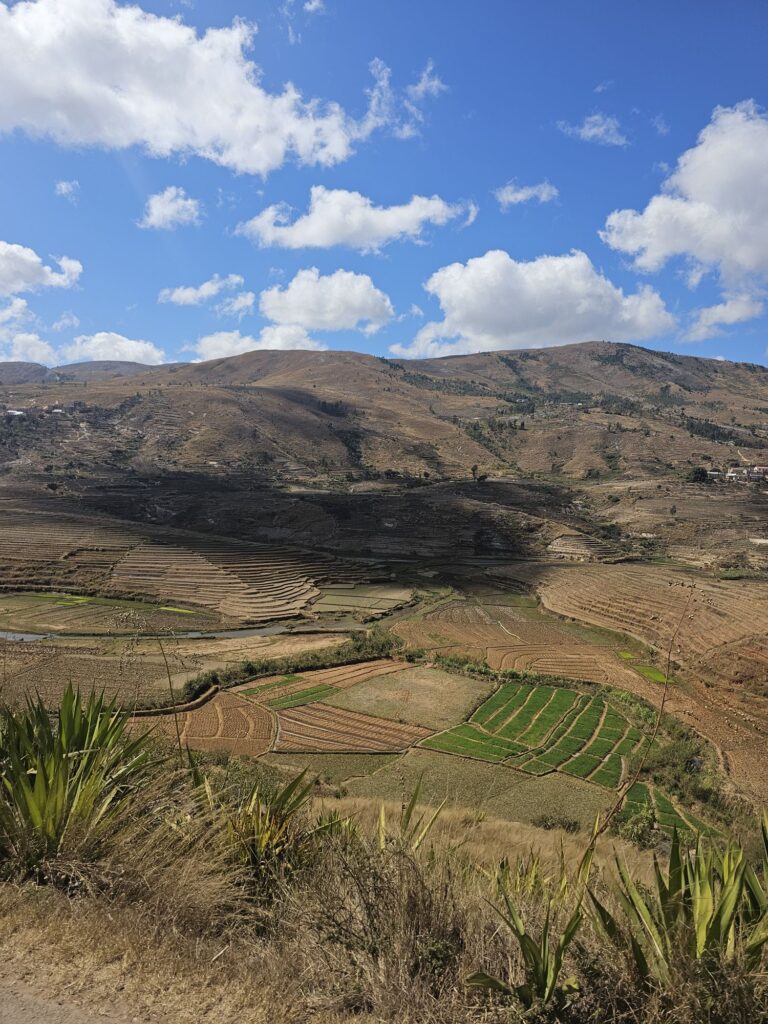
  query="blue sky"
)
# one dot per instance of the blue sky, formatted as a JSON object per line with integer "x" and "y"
{"x": 444, "y": 177}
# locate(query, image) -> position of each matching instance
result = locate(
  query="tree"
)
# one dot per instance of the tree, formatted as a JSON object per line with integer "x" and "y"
{"x": 698, "y": 475}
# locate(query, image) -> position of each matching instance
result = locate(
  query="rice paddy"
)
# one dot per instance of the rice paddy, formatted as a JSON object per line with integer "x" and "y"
{"x": 542, "y": 729}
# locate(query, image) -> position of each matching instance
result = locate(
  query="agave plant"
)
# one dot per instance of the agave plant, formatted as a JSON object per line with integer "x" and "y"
{"x": 708, "y": 903}
{"x": 65, "y": 778}
{"x": 413, "y": 828}
{"x": 542, "y": 958}
{"x": 268, "y": 833}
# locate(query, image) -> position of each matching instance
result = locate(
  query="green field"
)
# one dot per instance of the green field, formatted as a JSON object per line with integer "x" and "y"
{"x": 668, "y": 816}
{"x": 545, "y": 729}
{"x": 298, "y": 697}
{"x": 650, "y": 672}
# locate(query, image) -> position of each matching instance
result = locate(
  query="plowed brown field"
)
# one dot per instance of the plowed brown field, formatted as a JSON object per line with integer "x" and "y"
{"x": 513, "y": 638}
{"x": 226, "y": 722}
{"x": 318, "y": 727}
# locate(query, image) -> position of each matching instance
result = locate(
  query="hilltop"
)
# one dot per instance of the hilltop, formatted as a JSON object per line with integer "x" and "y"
{"x": 575, "y": 412}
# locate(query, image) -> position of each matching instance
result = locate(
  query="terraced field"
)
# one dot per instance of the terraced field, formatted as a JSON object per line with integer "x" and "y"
{"x": 648, "y": 603}
{"x": 72, "y": 613}
{"x": 132, "y": 669}
{"x": 319, "y": 727}
{"x": 371, "y": 600}
{"x": 227, "y": 722}
{"x": 668, "y": 817}
{"x": 291, "y": 691}
{"x": 515, "y": 637}
{"x": 541, "y": 729}
{"x": 44, "y": 542}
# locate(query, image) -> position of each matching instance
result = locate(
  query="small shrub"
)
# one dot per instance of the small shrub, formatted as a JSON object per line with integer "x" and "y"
{"x": 551, "y": 821}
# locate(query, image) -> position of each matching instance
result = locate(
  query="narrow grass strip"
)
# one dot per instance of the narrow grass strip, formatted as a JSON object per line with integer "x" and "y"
{"x": 294, "y": 700}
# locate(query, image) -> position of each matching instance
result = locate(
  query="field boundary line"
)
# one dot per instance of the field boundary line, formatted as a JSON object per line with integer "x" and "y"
{"x": 175, "y": 709}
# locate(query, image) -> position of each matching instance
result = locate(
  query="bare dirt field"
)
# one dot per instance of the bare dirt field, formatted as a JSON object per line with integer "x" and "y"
{"x": 226, "y": 722}
{"x": 323, "y": 728}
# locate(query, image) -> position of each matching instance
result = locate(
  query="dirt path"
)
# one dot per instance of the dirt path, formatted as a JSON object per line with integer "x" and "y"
{"x": 24, "y": 1003}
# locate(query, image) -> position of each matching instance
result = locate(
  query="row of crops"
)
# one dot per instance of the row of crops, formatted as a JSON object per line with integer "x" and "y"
{"x": 290, "y": 692}
{"x": 540, "y": 729}
{"x": 641, "y": 798}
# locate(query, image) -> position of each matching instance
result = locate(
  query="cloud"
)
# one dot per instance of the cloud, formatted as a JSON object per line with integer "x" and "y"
{"x": 314, "y": 6}
{"x": 333, "y": 302}
{"x": 67, "y": 190}
{"x": 232, "y": 343}
{"x": 29, "y": 348}
{"x": 96, "y": 73}
{"x": 711, "y": 213}
{"x": 604, "y": 86}
{"x": 188, "y": 295}
{"x": 169, "y": 209}
{"x": 512, "y": 194}
{"x": 710, "y": 320}
{"x": 108, "y": 345}
{"x": 339, "y": 217}
{"x": 237, "y": 305}
{"x": 66, "y": 321}
{"x": 16, "y": 312}
{"x": 428, "y": 85}
{"x": 22, "y": 270}
{"x": 600, "y": 128}
{"x": 659, "y": 122}
{"x": 495, "y": 302}
{"x": 712, "y": 210}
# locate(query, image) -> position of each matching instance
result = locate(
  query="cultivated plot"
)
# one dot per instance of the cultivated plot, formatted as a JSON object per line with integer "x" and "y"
{"x": 319, "y": 727}
{"x": 516, "y": 637}
{"x": 541, "y": 729}
{"x": 226, "y": 722}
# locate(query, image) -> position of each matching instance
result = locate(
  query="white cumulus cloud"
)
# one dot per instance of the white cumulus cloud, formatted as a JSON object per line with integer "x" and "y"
{"x": 340, "y": 217}
{"x": 333, "y": 302}
{"x": 22, "y": 270}
{"x": 512, "y": 194}
{"x": 601, "y": 128}
{"x": 16, "y": 312}
{"x": 712, "y": 209}
{"x": 29, "y": 348}
{"x": 712, "y": 213}
{"x": 496, "y": 302}
{"x": 108, "y": 345}
{"x": 710, "y": 320}
{"x": 95, "y": 72}
{"x": 169, "y": 209}
{"x": 239, "y": 305}
{"x": 191, "y": 295}
{"x": 232, "y": 343}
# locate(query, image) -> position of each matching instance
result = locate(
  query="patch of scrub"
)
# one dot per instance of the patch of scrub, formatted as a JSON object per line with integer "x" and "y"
{"x": 495, "y": 789}
{"x": 419, "y": 696}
